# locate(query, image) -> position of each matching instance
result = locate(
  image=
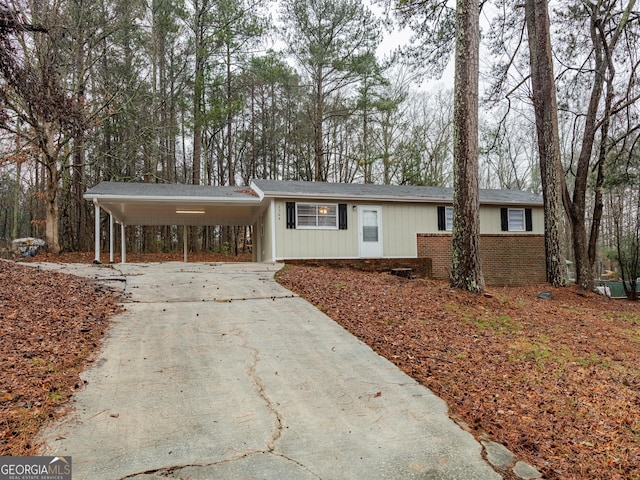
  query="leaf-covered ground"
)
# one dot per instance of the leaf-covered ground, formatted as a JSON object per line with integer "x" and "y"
{"x": 88, "y": 257}
{"x": 556, "y": 381}
{"x": 50, "y": 325}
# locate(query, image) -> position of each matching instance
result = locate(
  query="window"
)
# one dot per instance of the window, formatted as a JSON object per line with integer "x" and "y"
{"x": 316, "y": 215}
{"x": 516, "y": 219}
{"x": 448, "y": 218}
{"x": 445, "y": 218}
{"x": 370, "y": 225}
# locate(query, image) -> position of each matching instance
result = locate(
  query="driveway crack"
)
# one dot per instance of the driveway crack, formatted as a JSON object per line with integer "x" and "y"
{"x": 260, "y": 389}
{"x": 174, "y": 471}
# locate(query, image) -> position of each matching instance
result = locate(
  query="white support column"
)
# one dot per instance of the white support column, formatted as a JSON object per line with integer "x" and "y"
{"x": 110, "y": 238}
{"x": 97, "y": 234}
{"x": 184, "y": 242}
{"x": 274, "y": 250}
{"x": 123, "y": 243}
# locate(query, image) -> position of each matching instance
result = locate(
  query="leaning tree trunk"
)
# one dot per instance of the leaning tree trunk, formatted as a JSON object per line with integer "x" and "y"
{"x": 466, "y": 269}
{"x": 546, "y": 112}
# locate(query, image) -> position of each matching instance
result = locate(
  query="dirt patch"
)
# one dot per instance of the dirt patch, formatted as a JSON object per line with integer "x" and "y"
{"x": 556, "y": 381}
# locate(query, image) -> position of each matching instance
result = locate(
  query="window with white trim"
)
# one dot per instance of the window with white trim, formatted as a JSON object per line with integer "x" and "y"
{"x": 516, "y": 220}
{"x": 317, "y": 215}
{"x": 445, "y": 218}
{"x": 448, "y": 218}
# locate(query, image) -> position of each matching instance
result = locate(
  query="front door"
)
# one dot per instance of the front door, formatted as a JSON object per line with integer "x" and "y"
{"x": 370, "y": 234}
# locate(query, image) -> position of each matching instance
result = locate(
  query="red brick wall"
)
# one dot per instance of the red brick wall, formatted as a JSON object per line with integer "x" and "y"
{"x": 506, "y": 259}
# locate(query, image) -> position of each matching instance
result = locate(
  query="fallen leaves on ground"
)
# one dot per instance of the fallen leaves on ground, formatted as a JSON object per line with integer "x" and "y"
{"x": 555, "y": 381}
{"x": 50, "y": 326}
{"x": 132, "y": 257}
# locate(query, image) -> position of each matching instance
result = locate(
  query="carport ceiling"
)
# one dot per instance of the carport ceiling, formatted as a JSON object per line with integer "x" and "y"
{"x": 172, "y": 204}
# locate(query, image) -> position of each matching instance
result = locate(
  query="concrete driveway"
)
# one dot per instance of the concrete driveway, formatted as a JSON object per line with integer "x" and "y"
{"x": 216, "y": 371}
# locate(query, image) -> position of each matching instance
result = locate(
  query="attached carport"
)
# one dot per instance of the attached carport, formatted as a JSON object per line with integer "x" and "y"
{"x": 156, "y": 204}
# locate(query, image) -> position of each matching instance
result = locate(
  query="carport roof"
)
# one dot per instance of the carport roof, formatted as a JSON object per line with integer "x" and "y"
{"x": 176, "y": 204}
{"x": 167, "y": 191}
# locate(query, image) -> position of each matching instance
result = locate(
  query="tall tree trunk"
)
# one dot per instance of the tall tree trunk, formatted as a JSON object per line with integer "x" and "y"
{"x": 368, "y": 166}
{"x": 198, "y": 95}
{"x": 546, "y": 112}
{"x": 198, "y": 90}
{"x": 51, "y": 182}
{"x": 16, "y": 201}
{"x": 318, "y": 147}
{"x": 466, "y": 269}
{"x": 598, "y": 204}
{"x": 230, "y": 165}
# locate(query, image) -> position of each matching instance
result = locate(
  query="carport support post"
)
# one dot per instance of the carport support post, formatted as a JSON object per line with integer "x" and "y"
{"x": 110, "y": 238}
{"x": 97, "y": 233}
{"x": 184, "y": 242}
{"x": 123, "y": 243}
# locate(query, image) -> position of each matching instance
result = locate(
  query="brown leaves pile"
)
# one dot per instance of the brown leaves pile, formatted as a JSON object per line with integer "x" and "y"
{"x": 50, "y": 325}
{"x": 556, "y": 381}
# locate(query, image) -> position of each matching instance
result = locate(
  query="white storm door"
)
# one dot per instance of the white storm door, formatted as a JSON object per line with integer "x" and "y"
{"x": 370, "y": 231}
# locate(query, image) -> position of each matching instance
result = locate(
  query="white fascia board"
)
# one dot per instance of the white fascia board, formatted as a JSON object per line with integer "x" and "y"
{"x": 255, "y": 188}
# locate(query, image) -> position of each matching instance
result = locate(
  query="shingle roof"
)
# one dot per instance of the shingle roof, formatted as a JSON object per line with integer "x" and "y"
{"x": 355, "y": 191}
{"x": 160, "y": 190}
{"x": 299, "y": 189}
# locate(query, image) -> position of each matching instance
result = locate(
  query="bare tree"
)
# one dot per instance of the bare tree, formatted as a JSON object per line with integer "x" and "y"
{"x": 33, "y": 95}
{"x": 607, "y": 22}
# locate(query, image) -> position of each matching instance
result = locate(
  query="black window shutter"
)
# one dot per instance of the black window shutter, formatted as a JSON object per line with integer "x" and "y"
{"x": 527, "y": 220}
{"x": 342, "y": 216}
{"x": 504, "y": 219}
{"x": 442, "y": 219}
{"x": 291, "y": 214}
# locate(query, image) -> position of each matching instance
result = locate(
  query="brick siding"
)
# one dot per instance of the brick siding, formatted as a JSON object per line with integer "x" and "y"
{"x": 507, "y": 260}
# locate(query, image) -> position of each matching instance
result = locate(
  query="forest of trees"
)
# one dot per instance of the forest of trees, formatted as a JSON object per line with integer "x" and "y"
{"x": 217, "y": 92}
